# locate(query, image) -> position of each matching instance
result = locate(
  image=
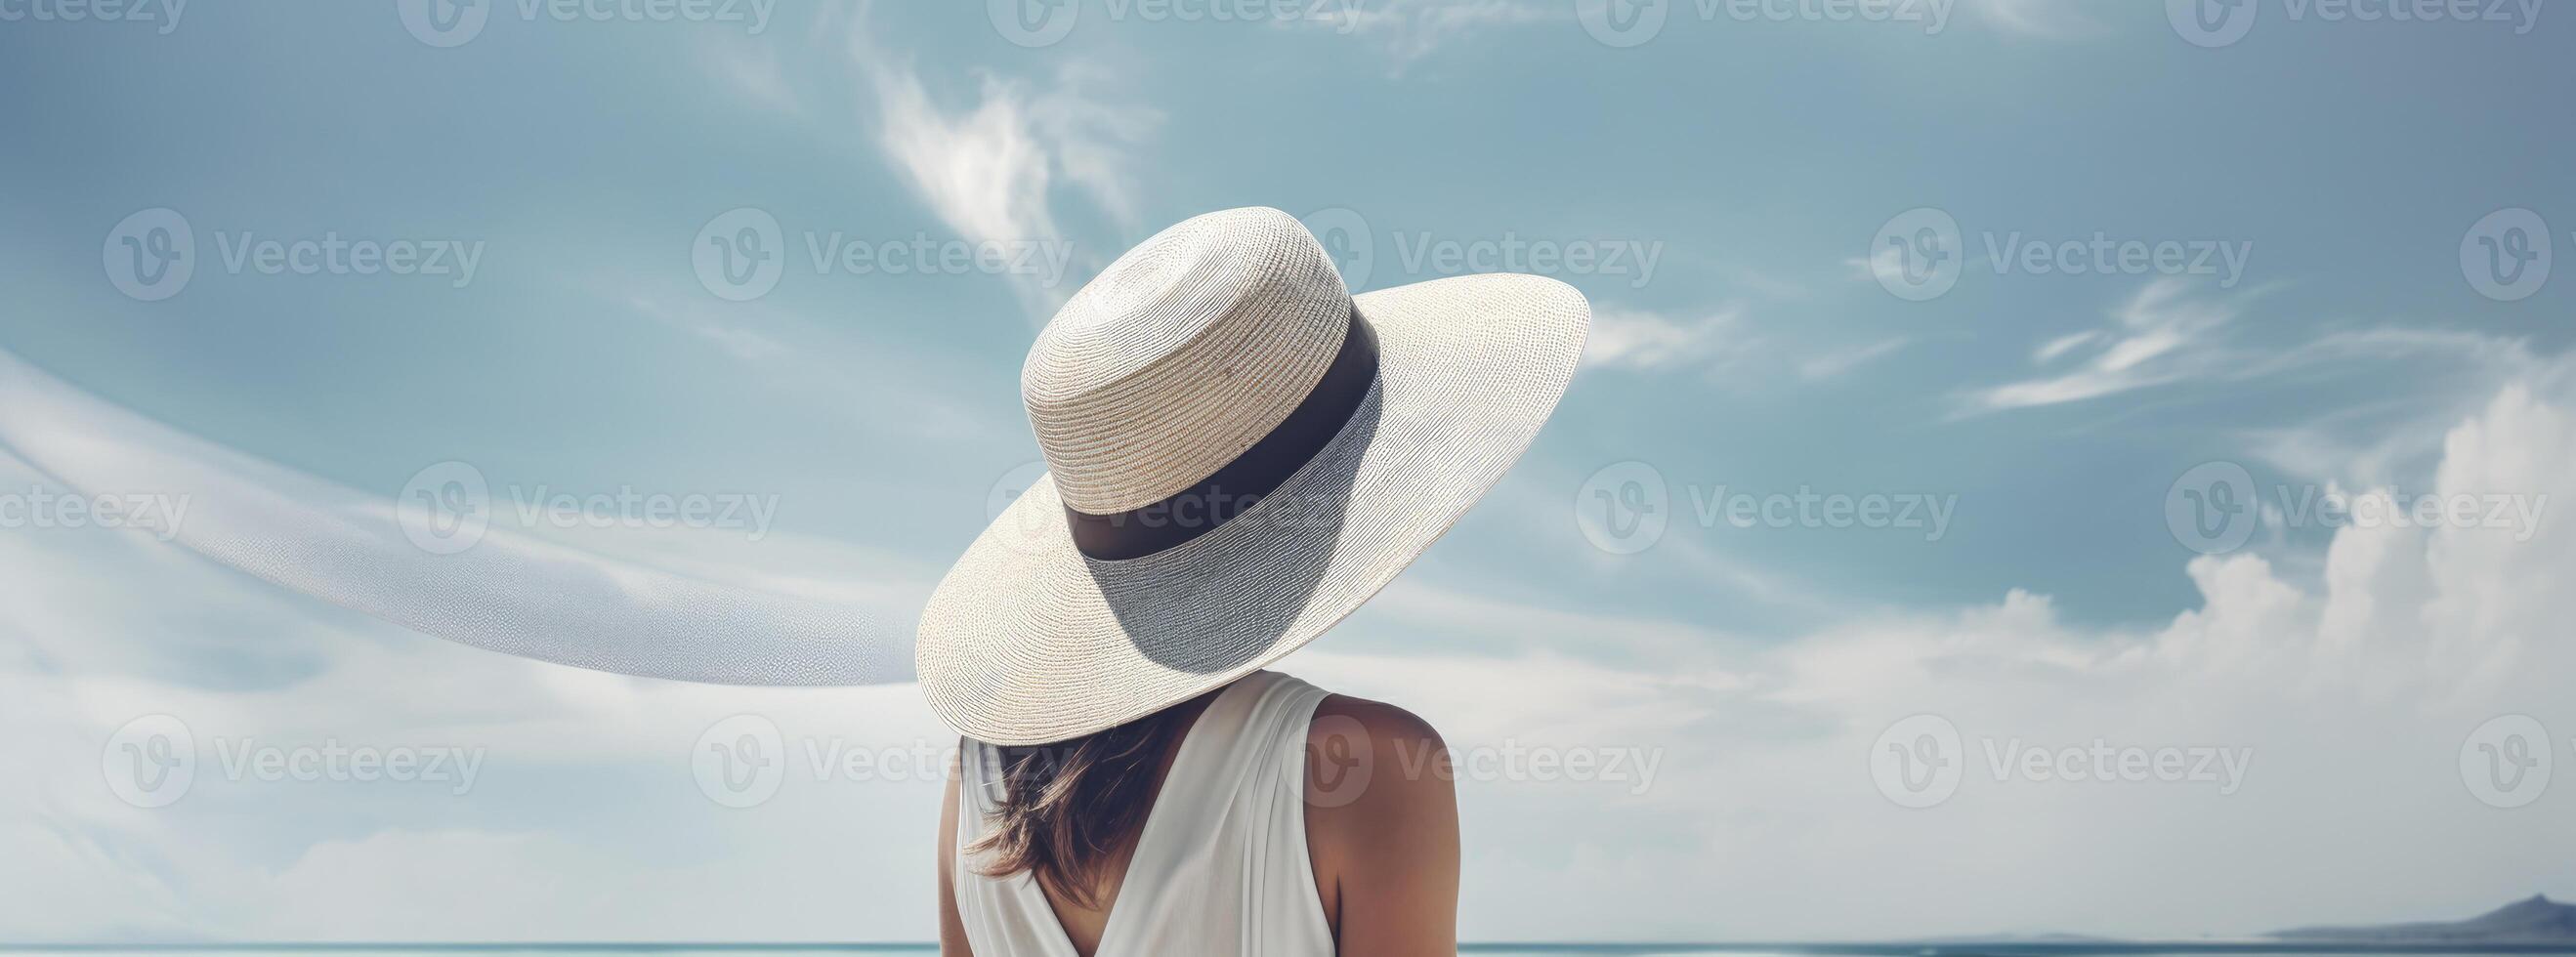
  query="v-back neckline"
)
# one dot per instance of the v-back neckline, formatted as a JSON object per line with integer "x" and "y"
{"x": 1112, "y": 919}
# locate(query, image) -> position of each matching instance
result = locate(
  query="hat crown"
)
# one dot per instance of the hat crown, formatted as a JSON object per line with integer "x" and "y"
{"x": 1181, "y": 355}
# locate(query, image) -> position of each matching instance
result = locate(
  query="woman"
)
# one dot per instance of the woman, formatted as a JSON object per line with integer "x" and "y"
{"x": 1240, "y": 453}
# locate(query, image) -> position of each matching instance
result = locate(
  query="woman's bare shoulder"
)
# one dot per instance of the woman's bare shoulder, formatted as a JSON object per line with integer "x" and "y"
{"x": 1381, "y": 722}
{"x": 1382, "y": 826}
{"x": 1375, "y": 758}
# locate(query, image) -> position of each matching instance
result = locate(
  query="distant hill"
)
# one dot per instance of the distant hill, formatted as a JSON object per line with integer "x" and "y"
{"x": 2536, "y": 920}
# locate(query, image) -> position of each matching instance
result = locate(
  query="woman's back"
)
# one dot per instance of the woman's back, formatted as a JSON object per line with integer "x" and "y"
{"x": 1225, "y": 862}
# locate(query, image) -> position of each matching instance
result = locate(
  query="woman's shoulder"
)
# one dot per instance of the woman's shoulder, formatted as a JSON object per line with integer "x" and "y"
{"x": 1376, "y": 722}
{"x": 1381, "y": 812}
{"x": 1374, "y": 757}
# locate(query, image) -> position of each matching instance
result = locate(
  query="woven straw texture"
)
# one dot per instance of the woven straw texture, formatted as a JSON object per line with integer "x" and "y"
{"x": 1028, "y": 641}
{"x": 1180, "y": 355}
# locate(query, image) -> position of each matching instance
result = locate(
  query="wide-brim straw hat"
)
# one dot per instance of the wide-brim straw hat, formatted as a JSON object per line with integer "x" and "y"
{"x": 1240, "y": 453}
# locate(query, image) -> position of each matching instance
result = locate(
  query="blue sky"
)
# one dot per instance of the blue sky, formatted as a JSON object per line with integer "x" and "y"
{"x": 1753, "y": 160}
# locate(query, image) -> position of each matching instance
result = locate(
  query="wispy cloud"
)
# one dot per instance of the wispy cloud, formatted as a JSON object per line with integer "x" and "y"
{"x": 989, "y": 169}
{"x": 508, "y": 589}
{"x": 1649, "y": 341}
{"x": 2037, "y": 18}
{"x": 1410, "y": 30}
{"x": 2163, "y": 334}
{"x": 1841, "y": 361}
{"x": 996, "y": 164}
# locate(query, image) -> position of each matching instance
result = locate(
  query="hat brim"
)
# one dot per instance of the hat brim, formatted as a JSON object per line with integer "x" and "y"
{"x": 1029, "y": 641}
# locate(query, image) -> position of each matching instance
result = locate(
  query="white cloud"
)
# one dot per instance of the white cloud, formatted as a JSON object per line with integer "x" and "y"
{"x": 2163, "y": 334}
{"x": 990, "y": 170}
{"x": 2036, "y": 18}
{"x": 1838, "y": 362}
{"x": 996, "y": 165}
{"x": 2354, "y": 694}
{"x": 1648, "y": 341}
{"x": 1411, "y": 30}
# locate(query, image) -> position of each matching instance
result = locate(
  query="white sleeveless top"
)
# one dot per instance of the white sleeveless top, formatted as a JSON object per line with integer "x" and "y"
{"x": 1221, "y": 864}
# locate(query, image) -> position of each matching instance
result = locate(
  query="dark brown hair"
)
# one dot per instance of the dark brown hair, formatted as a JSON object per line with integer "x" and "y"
{"x": 1067, "y": 807}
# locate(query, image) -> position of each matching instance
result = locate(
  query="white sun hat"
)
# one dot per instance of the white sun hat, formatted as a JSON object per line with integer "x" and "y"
{"x": 1240, "y": 453}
